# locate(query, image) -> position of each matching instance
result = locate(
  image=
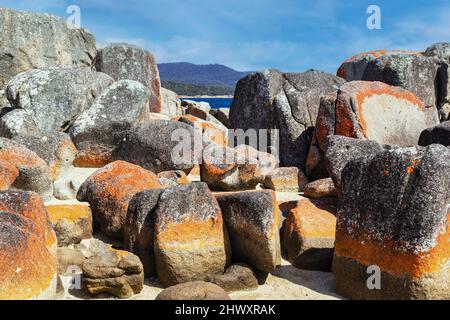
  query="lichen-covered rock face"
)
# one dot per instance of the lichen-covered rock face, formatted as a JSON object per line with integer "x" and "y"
{"x": 30, "y": 205}
{"x": 17, "y": 122}
{"x": 8, "y": 174}
{"x": 321, "y": 188}
{"x": 232, "y": 169}
{"x": 98, "y": 130}
{"x": 173, "y": 177}
{"x": 221, "y": 114}
{"x": 41, "y": 41}
{"x": 190, "y": 241}
{"x": 288, "y": 102}
{"x": 309, "y": 233}
{"x": 195, "y": 290}
{"x": 439, "y": 50}
{"x": 55, "y": 96}
{"x": 159, "y": 146}
{"x": 109, "y": 191}
{"x": 34, "y": 173}
{"x": 286, "y": 179}
{"x": 410, "y": 70}
{"x": 71, "y": 222}
{"x": 438, "y": 134}
{"x": 252, "y": 219}
{"x": 124, "y": 61}
{"x": 28, "y": 262}
{"x": 117, "y": 272}
{"x": 341, "y": 150}
{"x": 27, "y": 268}
{"x": 394, "y": 214}
{"x": 170, "y": 103}
{"x": 54, "y": 147}
{"x": 237, "y": 277}
{"x": 369, "y": 111}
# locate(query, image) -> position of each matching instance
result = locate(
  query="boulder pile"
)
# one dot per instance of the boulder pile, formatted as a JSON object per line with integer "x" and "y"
{"x": 107, "y": 179}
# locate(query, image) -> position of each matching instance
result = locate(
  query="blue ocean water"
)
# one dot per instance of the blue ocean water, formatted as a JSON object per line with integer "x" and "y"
{"x": 214, "y": 102}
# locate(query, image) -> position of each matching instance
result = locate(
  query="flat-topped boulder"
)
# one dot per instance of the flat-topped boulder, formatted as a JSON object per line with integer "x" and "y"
{"x": 32, "y": 40}
{"x": 194, "y": 290}
{"x": 128, "y": 62}
{"x": 109, "y": 191}
{"x": 394, "y": 215}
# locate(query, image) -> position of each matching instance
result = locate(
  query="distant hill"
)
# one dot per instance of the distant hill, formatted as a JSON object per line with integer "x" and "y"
{"x": 203, "y": 79}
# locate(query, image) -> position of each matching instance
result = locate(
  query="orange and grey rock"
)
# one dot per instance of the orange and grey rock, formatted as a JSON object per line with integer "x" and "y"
{"x": 253, "y": 220}
{"x": 309, "y": 233}
{"x": 110, "y": 189}
{"x": 321, "y": 188}
{"x": 394, "y": 214}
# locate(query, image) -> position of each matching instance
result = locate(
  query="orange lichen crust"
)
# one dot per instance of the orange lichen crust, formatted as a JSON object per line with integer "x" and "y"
{"x": 387, "y": 255}
{"x": 209, "y": 129}
{"x": 92, "y": 158}
{"x": 72, "y": 212}
{"x": 28, "y": 204}
{"x": 8, "y": 174}
{"x": 314, "y": 218}
{"x": 27, "y": 268}
{"x": 374, "y": 54}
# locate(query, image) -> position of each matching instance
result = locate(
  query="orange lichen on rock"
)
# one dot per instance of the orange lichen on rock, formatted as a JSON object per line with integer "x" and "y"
{"x": 390, "y": 257}
{"x": 110, "y": 189}
{"x": 70, "y": 212}
{"x": 8, "y": 174}
{"x": 91, "y": 158}
{"x": 209, "y": 130}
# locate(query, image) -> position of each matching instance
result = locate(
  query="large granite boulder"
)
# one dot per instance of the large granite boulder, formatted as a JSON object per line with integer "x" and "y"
{"x": 252, "y": 219}
{"x": 414, "y": 71}
{"x": 159, "y": 146}
{"x": 368, "y": 111}
{"x": 31, "y": 41}
{"x": 109, "y": 191}
{"x": 394, "y": 215}
{"x": 126, "y": 61}
{"x": 288, "y": 102}
{"x": 98, "y": 130}
{"x": 437, "y": 134}
{"x": 54, "y": 97}
{"x": 34, "y": 173}
{"x": 190, "y": 239}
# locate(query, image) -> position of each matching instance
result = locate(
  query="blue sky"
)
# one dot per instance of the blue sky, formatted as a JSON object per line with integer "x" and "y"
{"x": 291, "y": 35}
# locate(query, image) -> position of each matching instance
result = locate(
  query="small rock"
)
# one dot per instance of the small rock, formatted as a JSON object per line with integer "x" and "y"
{"x": 195, "y": 290}
{"x": 71, "y": 222}
{"x": 437, "y": 134}
{"x": 17, "y": 122}
{"x": 70, "y": 261}
{"x": 237, "y": 277}
{"x": 222, "y": 114}
{"x": 174, "y": 176}
{"x": 117, "y": 272}
{"x": 309, "y": 233}
{"x": 320, "y": 189}
{"x": 286, "y": 179}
